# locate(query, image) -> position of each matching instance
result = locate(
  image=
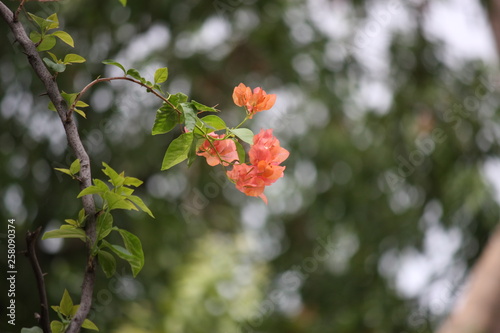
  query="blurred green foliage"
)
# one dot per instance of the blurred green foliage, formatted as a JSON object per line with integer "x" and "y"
{"x": 386, "y": 169}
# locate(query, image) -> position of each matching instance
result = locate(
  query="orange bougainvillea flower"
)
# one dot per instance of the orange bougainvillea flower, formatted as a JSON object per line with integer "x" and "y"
{"x": 247, "y": 181}
{"x": 254, "y": 101}
{"x": 267, "y": 147}
{"x": 265, "y": 156}
{"x": 224, "y": 149}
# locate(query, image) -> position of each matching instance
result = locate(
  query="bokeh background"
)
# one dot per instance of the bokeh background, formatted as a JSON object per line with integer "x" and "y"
{"x": 389, "y": 109}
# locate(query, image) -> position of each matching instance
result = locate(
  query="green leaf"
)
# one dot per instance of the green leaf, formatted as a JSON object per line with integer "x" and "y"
{"x": 65, "y": 37}
{"x": 214, "y": 122}
{"x": 241, "y": 151}
{"x": 132, "y": 181}
{"x": 81, "y": 216}
{"x": 66, "y": 231}
{"x": 166, "y": 119}
{"x": 157, "y": 87}
{"x": 135, "y": 74}
{"x": 55, "y": 67}
{"x": 89, "y": 190}
{"x": 118, "y": 250}
{"x": 56, "y": 326}
{"x": 125, "y": 191}
{"x": 116, "y": 201}
{"x": 197, "y": 142}
{"x": 101, "y": 185}
{"x": 107, "y": 263}
{"x": 123, "y": 2}
{"x": 87, "y": 323}
{"x": 66, "y": 171}
{"x": 72, "y": 222}
{"x": 51, "y": 107}
{"x": 134, "y": 246}
{"x": 81, "y": 104}
{"x": 53, "y": 56}
{"x": 190, "y": 116}
{"x": 66, "y": 304}
{"x": 74, "y": 310}
{"x": 48, "y": 42}
{"x": 104, "y": 225}
{"x": 35, "y": 37}
{"x": 114, "y": 63}
{"x": 244, "y": 134}
{"x": 75, "y": 167}
{"x": 161, "y": 75}
{"x": 41, "y": 22}
{"x": 134, "y": 262}
{"x": 114, "y": 177}
{"x": 34, "y": 329}
{"x": 202, "y": 107}
{"x": 177, "y": 151}
{"x": 80, "y": 112}
{"x": 138, "y": 201}
{"x": 73, "y": 59}
{"x": 178, "y": 98}
{"x": 52, "y": 21}
{"x": 69, "y": 98}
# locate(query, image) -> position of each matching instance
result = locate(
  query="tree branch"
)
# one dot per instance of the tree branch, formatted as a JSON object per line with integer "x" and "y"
{"x": 494, "y": 14}
{"x": 478, "y": 310}
{"x": 76, "y": 145}
{"x": 31, "y": 238}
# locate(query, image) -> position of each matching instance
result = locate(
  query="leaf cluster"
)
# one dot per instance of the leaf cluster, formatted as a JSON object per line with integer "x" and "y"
{"x": 70, "y": 99}
{"x": 119, "y": 196}
{"x": 45, "y": 41}
{"x": 66, "y": 310}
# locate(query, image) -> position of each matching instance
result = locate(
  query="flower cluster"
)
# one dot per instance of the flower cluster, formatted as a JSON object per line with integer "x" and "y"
{"x": 253, "y": 101}
{"x": 265, "y": 154}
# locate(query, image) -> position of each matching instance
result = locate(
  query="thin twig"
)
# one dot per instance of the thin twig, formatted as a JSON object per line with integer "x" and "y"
{"x": 31, "y": 238}
{"x": 108, "y": 79}
{"x": 16, "y": 15}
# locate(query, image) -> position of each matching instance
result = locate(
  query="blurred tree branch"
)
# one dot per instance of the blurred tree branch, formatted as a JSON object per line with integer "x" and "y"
{"x": 493, "y": 8}
{"x": 75, "y": 143}
{"x": 31, "y": 238}
{"x": 478, "y": 309}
